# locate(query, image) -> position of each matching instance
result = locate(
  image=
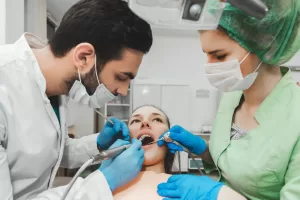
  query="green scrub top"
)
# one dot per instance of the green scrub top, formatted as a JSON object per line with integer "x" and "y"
{"x": 264, "y": 164}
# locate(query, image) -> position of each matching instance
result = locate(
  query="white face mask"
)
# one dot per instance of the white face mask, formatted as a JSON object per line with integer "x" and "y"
{"x": 100, "y": 97}
{"x": 227, "y": 76}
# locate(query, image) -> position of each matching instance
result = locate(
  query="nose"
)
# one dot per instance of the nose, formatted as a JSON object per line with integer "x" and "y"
{"x": 209, "y": 59}
{"x": 123, "y": 90}
{"x": 145, "y": 124}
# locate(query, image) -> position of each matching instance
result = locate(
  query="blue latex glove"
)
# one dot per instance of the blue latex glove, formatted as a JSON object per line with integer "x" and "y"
{"x": 125, "y": 167}
{"x": 110, "y": 133}
{"x": 182, "y": 187}
{"x": 193, "y": 143}
{"x": 117, "y": 143}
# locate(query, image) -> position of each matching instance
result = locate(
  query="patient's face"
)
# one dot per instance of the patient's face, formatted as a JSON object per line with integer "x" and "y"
{"x": 150, "y": 123}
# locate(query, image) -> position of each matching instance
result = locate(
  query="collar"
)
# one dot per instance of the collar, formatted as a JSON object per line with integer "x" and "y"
{"x": 268, "y": 106}
{"x": 276, "y": 97}
{"x": 23, "y": 51}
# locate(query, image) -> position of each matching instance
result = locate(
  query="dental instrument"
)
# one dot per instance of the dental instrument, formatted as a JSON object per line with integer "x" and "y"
{"x": 103, "y": 155}
{"x": 167, "y": 138}
{"x": 156, "y": 141}
{"x": 103, "y": 116}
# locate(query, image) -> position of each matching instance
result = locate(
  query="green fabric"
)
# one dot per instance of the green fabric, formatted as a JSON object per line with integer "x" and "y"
{"x": 55, "y": 105}
{"x": 209, "y": 168}
{"x": 265, "y": 164}
{"x": 275, "y": 39}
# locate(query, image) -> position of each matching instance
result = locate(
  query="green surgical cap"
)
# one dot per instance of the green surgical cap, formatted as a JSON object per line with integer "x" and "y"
{"x": 275, "y": 39}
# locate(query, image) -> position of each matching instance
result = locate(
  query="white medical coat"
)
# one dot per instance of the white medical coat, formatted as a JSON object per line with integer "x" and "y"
{"x": 32, "y": 142}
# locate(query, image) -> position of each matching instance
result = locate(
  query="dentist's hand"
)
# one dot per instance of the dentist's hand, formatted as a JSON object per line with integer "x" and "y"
{"x": 190, "y": 187}
{"x": 111, "y": 132}
{"x": 125, "y": 167}
{"x": 193, "y": 143}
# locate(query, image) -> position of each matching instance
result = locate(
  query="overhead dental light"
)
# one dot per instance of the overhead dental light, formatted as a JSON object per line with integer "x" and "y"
{"x": 179, "y": 14}
{"x": 191, "y": 14}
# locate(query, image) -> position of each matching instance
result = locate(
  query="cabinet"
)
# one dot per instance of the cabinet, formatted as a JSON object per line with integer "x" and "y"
{"x": 172, "y": 99}
{"x": 120, "y": 107}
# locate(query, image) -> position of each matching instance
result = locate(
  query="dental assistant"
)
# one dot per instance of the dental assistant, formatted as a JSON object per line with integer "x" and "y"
{"x": 92, "y": 57}
{"x": 255, "y": 140}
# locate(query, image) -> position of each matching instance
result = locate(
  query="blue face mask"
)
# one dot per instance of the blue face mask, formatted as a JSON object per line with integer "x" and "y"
{"x": 100, "y": 97}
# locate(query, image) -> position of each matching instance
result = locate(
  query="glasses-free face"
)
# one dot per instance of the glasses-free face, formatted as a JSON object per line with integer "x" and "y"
{"x": 150, "y": 123}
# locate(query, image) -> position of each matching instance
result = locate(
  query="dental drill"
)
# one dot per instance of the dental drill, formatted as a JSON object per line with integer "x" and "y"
{"x": 103, "y": 155}
{"x": 167, "y": 138}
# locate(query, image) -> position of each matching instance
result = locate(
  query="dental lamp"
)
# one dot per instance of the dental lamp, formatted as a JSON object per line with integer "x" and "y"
{"x": 192, "y": 14}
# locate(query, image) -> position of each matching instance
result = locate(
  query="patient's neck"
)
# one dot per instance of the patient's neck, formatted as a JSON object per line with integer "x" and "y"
{"x": 157, "y": 168}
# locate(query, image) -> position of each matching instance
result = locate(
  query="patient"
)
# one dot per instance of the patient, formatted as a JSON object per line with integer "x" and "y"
{"x": 148, "y": 122}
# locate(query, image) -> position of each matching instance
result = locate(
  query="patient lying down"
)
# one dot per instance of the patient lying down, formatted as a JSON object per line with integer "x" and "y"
{"x": 149, "y": 122}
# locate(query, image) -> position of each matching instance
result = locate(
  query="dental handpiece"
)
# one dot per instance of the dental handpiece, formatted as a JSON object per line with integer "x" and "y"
{"x": 254, "y": 8}
{"x": 110, "y": 153}
{"x": 167, "y": 138}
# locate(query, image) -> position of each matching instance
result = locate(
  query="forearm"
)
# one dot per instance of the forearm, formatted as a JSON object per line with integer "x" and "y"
{"x": 78, "y": 151}
{"x": 227, "y": 193}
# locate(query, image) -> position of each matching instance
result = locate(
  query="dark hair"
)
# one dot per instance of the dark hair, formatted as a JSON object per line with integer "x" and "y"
{"x": 109, "y": 25}
{"x": 169, "y": 159}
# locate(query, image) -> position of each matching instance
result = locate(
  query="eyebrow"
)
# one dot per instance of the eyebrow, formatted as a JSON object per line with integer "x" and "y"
{"x": 138, "y": 115}
{"x": 213, "y": 52}
{"x": 129, "y": 75}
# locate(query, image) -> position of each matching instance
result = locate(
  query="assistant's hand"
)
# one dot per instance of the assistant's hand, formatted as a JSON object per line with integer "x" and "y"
{"x": 125, "y": 167}
{"x": 190, "y": 187}
{"x": 111, "y": 132}
{"x": 194, "y": 143}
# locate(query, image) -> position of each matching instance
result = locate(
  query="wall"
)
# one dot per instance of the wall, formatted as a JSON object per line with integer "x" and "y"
{"x": 2, "y": 22}
{"x": 11, "y": 20}
{"x": 174, "y": 56}
{"x": 295, "y": 63}
{"x": 36, "y": 18}
{"x": 178, "y": 56}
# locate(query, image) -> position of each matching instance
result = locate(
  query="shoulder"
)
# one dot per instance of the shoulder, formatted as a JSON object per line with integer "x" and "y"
{"x": 290, "y": 99}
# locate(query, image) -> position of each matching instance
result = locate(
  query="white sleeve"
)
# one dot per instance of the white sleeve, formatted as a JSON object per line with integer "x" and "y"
{"x": 93, "y": 187}
{"x": 78, "y": 151}
{"x": 6, "y": 191}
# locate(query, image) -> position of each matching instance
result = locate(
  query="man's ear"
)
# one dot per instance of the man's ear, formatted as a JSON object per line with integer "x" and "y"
{"x": 84, "y": 57}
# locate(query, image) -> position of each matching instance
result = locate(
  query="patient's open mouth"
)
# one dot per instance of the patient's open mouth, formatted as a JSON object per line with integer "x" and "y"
{"x": 145, "y": 139}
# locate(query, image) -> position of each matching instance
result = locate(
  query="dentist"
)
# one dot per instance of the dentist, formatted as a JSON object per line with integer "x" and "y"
{"x": 255, "y": 140}
{"x": 93, "y": 56}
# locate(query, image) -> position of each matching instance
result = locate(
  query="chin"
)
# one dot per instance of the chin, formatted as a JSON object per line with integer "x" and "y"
{"x": 154, "y": 155}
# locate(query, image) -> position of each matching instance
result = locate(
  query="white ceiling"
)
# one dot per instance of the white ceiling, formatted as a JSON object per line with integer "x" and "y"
{"x": 57, "y": 8}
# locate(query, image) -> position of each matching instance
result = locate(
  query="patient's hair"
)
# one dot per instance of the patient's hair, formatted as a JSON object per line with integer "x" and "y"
{"x": 169, "y": 159}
